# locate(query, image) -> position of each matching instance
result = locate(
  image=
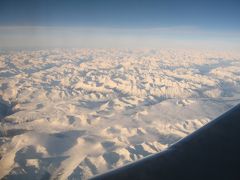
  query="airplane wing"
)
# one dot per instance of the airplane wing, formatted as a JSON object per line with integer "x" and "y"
{"x": 211, "y": 152}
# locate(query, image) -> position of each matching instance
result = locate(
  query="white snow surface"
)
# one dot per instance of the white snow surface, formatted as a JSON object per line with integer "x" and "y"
{"x": 75, "y": 113}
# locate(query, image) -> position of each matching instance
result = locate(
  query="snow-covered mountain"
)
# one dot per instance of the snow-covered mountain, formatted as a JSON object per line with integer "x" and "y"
{"x": 74, "y": 113}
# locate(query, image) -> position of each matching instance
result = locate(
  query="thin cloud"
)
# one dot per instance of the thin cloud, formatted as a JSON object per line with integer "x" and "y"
{"x": 101, "y": 37}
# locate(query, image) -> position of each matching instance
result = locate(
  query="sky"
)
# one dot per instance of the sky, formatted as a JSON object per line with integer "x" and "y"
{"x": 120, "y": 23}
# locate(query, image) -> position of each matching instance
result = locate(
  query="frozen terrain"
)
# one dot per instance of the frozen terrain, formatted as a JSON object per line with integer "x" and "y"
{"x": 71, "y": 114}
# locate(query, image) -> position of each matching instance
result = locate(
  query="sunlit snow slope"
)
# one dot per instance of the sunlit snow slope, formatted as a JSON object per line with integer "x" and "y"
{"x": 70, "y": 114}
